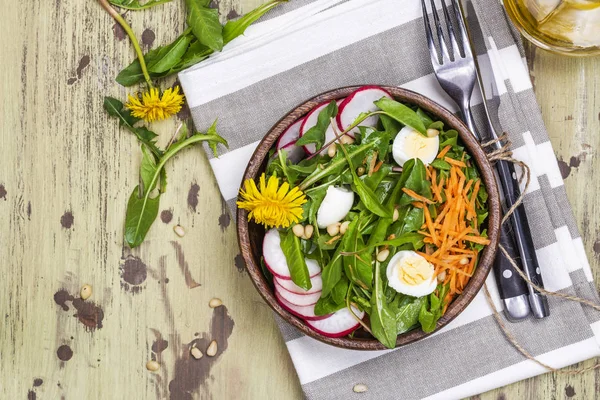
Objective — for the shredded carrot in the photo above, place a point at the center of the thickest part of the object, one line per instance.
(468, 186)
(452, 161)
(430, 225)
(417, 196)
(452, 232)
(438, 191)
(444, 152)
(377, 166)
(477, 239)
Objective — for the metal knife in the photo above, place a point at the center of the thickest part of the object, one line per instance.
(513, 293)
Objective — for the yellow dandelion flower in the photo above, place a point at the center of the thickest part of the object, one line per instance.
(270, 204)
(151, 106)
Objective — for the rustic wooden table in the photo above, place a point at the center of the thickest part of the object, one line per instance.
(66, 171)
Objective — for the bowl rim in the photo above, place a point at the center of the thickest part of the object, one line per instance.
(486, 171)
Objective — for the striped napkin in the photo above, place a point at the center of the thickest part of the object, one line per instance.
(307, 47)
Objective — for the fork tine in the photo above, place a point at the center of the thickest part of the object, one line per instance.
(440, 32)
(430, 42)
(454, 47)
(464, 36)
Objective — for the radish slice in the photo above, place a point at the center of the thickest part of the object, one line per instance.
(305, 312)
(298, 299)
(311, 120)
(340, 323)
(291, 134)
(294, 153)
(358, 102)
(275, 259)
(317, 285)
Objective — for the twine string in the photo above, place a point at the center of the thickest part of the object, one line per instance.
(505, 154)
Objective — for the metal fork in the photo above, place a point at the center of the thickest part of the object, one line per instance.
(457, 74)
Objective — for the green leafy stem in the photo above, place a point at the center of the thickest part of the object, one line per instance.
(136, 45)
(135, 5)
(142, 209)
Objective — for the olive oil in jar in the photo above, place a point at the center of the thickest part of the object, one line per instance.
(565, 26)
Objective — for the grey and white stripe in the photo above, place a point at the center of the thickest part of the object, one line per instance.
(340, 43)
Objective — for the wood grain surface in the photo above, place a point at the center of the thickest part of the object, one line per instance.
(66, 171)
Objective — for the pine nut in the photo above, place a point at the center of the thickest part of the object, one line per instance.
(212, 349)
(344, 227)
(85, 292)
(360, 388)
(360, 171)
(332, 150)
(179, 230)
(396, 215)
(347, 139)
(432, 133)
(308, 231)
(441, 276)
(391, 237)
(196, 353)
(383, 255)
(464, 261)
(152, 365)
(214, 303)
(298, 230)
(333, 229)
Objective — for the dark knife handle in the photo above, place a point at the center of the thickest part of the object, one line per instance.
(510, 284)
(523, 238)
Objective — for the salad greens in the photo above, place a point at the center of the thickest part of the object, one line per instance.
(432, 212)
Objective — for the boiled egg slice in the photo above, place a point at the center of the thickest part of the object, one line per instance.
(335, 206)
(410, 273)
(409, 144)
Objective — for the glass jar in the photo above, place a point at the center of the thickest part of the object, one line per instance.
(563, 26)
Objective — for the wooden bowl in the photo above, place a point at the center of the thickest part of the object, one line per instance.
(251, 235)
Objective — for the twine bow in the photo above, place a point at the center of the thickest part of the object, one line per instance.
(505, 154)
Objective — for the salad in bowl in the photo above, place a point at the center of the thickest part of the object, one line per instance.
(370, 220)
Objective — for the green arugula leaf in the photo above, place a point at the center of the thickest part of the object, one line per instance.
(147, 171)
(326, 305)
(369, 199)
(431, 310)
(390, 125)
(195, 53)
(205, 24)
(290, 244)
(332, 273)
(325, 242)
(424, 117)
(115, 108)
(402, 114)
(358, 266)
(233, 29)
(449, 137)
(407, 310)
(337, 165)
(440, 164)
(383, 320)
(168, 56)
(338, 294)
(416, 181)
(413, 238)
(135, 5)
(141, 213)
(382, 139)
(316, 134)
